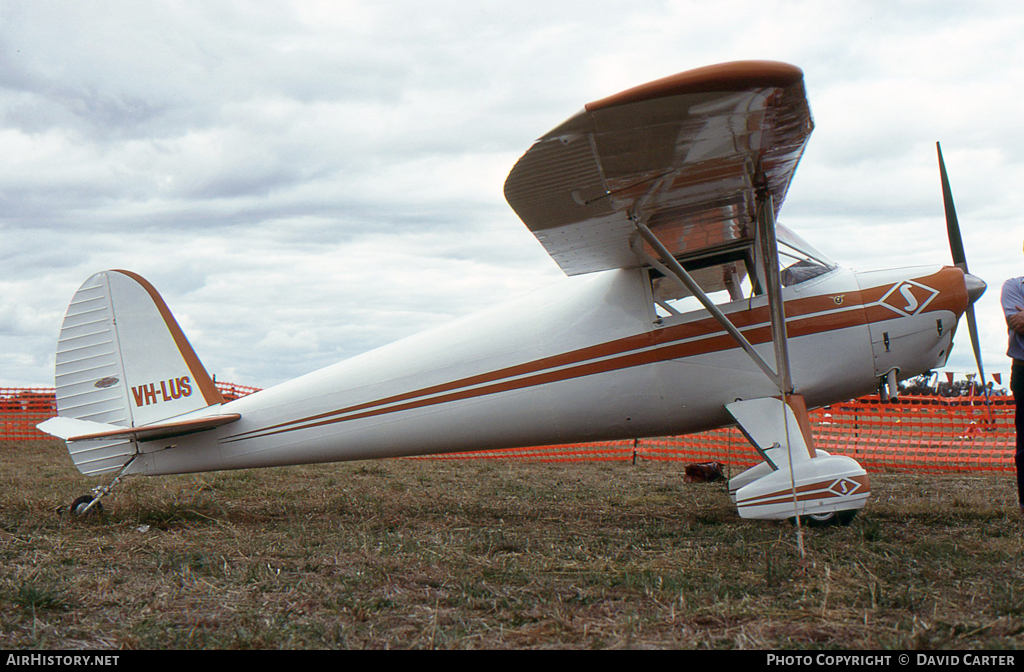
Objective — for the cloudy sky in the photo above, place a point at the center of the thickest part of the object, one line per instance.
(304, 181)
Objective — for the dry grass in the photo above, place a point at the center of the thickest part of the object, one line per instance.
(491, 554)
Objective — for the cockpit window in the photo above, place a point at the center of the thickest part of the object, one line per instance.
(800, 260)
(732, 274)
(801, 271)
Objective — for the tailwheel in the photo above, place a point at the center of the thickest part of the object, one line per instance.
(84, 506)
(827, 519)
(89, 505)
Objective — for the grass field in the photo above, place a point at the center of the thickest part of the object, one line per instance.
(496, 554)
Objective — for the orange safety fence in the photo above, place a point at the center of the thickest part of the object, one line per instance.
(230, 391)
(920, 433)
(933, 434)
(22, 408)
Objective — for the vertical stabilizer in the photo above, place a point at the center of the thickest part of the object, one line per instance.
(123, 361)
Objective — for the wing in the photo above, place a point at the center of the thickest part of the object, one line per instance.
(683, 155)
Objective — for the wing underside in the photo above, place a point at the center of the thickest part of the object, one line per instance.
(683, 155)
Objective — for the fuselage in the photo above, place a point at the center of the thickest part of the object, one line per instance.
(587, 359)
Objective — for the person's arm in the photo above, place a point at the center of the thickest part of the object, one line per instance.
(1012, 300)
(1016, 321)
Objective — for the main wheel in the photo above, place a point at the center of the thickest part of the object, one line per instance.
(828, 518)
(78, 509)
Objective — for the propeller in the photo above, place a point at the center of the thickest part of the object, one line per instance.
(975, 285)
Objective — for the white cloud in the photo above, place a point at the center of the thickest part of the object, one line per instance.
(303, 181)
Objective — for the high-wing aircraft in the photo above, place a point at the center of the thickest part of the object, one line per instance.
(686, 308)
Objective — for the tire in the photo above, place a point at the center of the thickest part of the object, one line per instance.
(828, 519)
(77, 507)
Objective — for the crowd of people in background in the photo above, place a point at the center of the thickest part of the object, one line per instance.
(937, 384)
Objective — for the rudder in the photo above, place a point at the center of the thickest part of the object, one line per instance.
(122, 360)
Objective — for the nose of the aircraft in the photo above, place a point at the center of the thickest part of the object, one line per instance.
(975, 287)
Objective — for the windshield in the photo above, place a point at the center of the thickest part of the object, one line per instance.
(801, 261)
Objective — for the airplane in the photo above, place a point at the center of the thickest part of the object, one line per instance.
(685, 307)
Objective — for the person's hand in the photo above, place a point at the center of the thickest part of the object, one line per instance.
(1016, 321)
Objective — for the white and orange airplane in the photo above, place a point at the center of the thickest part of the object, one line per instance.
(687, 308)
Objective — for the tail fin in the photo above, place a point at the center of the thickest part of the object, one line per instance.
(123, 361)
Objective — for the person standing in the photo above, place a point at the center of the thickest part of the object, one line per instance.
(1012, 299)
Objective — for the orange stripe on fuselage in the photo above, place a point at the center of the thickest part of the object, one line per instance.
(804, 316)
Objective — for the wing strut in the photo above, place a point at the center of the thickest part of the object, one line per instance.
(776, 307)
(794, 405)
(670, 266)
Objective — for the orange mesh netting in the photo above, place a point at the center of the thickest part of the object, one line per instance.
(230, 391)
(22, 408)
(924, 433)
(913, 434)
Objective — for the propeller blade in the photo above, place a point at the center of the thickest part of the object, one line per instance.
(956, 246)
(956, 243)
(972, 328)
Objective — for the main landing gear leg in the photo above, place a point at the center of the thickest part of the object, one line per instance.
(90, 504)
(794, 479)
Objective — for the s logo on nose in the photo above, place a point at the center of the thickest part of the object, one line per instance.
(908, 294)
(908, 297)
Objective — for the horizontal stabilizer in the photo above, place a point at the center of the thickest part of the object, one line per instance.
(84, 430)
(96, 457)
(65, 428)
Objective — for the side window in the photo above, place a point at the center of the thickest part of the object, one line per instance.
(722, 283)
(726, 276)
